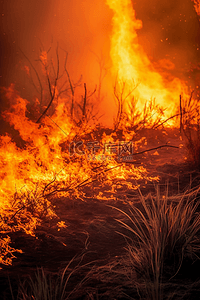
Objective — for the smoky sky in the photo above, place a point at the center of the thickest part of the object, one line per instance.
(22, 22)
(170, 30)
(78, 27)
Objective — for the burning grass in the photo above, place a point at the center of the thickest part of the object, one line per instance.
(49, 164)
(162, 238)
(46, 168)
(62, 173)
(61, 158)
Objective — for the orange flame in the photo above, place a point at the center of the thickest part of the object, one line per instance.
(42, 159)
(131, 63)
(197, 6)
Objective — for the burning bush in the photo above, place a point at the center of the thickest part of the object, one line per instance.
(56, 158)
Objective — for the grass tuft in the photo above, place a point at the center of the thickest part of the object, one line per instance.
(163, 231)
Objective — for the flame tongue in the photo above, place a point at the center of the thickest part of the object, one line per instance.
(197, 6)
(124, 46)
(132, 64)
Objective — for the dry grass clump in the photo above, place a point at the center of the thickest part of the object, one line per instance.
(163, 231)
(44, 285)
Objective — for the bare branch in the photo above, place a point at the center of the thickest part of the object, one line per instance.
(71, 87)
(52, 93)
(37, 75)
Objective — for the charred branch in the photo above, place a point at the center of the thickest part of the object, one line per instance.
(52, 91)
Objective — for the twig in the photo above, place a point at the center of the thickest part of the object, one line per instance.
(167, 120)
(18, 211)
(71, 86)
(148, 150)
(58, 126)
(87, 181)
(81, 184)
(84, 102)
(52, 94)
(181, 115)
(85, 98)
(37, 75)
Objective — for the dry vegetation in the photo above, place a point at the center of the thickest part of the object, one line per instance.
(73, 207)
(190, 127)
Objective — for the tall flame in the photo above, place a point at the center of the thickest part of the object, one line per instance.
(131, 63)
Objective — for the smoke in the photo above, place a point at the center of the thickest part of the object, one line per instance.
(79, 27)
(171, 33)
(170, 37)
(21, 24)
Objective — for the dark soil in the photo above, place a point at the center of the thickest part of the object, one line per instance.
(92, 229)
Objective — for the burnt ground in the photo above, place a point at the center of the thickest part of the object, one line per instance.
(92, 231)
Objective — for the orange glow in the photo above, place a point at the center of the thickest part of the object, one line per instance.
(45, 157)
(41, 166)
(132, 65)
(36, 164)
(197, 6)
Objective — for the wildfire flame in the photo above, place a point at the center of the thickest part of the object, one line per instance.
(131, 63)
(197, 6)
(42, 166)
